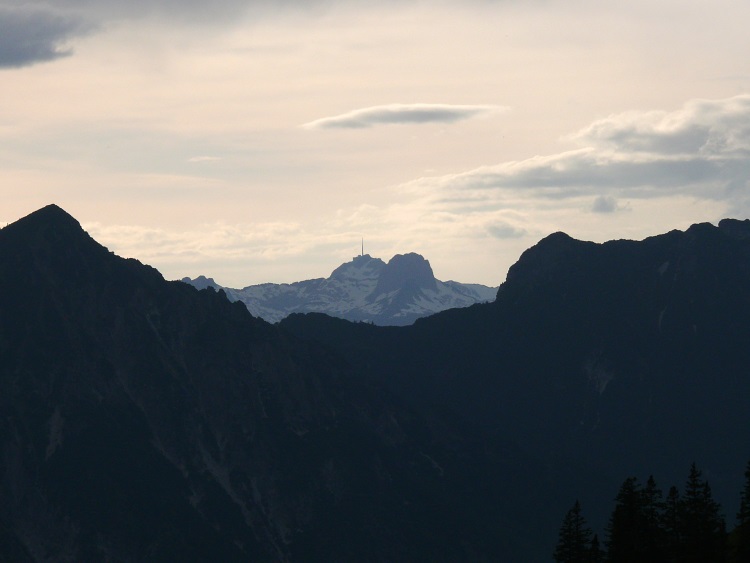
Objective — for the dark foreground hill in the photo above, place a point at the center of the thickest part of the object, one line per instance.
(601, 361)
(143, 420)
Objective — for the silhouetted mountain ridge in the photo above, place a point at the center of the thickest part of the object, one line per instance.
(602, 360)
(146, 420)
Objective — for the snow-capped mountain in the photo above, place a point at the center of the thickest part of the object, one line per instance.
(364, 289)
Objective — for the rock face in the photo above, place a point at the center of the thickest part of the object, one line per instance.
(145, 420)
(365, 289)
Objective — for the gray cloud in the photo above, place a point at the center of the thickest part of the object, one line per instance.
(30, 35)
(34, 32)
(604, 204)
(505, 231)
(702, 150)
(401, 114)
(175, 10)
(700, 127)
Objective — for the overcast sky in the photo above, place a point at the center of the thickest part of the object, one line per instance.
(258, 141)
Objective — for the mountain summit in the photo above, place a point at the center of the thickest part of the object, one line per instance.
(49, 228)
(364, 289)
(406, 272)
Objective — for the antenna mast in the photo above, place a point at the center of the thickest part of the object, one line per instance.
(363, 246)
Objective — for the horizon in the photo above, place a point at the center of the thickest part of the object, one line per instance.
(355, 258)
(252, 141)
(352, 259)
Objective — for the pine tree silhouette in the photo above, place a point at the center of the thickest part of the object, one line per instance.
(702, 528)
(574, 543)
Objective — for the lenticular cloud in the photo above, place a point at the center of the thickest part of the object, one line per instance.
(402, 114)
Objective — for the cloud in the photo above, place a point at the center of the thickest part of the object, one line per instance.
(505, 231)
(40, 31)
(701, 150)
(700, 128)
(216, 241)
(604, 204)
(30, 35)
(234, 254)
(402, 114)
(174, 10)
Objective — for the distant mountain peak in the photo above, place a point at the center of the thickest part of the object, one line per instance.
(201, 282)
(363, 289)
(406, 271)
(359, 266)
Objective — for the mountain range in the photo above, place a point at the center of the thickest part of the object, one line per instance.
(366, 289)
(145, 420)
(599, 361)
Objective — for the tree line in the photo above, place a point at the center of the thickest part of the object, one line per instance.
(648, 527)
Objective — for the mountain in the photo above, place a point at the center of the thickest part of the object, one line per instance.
(365, 289)
(600, 361)
(144, 420)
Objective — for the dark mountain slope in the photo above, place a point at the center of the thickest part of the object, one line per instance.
(142, 420)
(602, 360)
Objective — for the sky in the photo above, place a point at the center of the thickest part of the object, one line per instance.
(260, 141)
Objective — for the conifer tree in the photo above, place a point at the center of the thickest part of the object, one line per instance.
(702, 528)
(573, 545)
(625, 535)
(653, 533)
(671, 524)
(635, 530)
